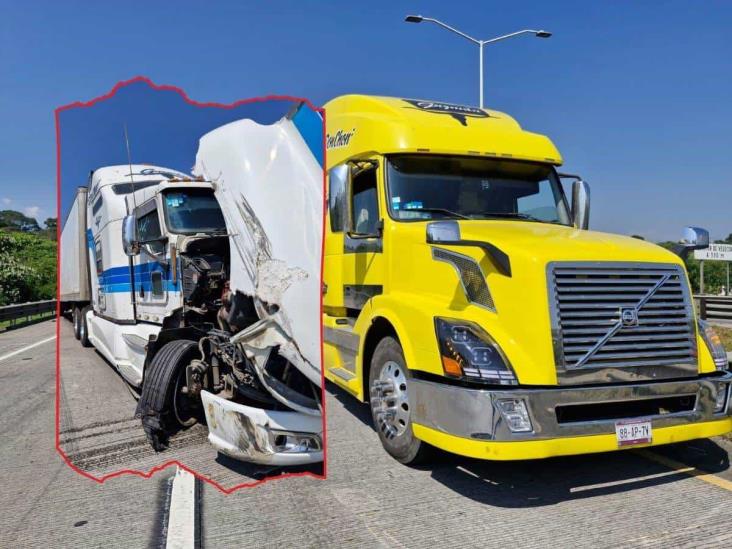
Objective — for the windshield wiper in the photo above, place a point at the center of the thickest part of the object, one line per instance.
(437, 210)
(519, 215)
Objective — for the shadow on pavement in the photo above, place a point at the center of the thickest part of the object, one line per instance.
(537, 483)
(259, 472)
(357, 409)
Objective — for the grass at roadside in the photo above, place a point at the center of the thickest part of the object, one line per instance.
(5, 324)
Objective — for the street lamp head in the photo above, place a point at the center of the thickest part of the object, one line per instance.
(543, 34)
(414, 18)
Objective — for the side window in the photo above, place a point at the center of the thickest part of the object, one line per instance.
(98, 257)
(156, 279)
(336, 201)
(365, 204)
(97, 206)
(148, 231)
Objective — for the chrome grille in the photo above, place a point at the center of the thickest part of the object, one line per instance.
(589, 301)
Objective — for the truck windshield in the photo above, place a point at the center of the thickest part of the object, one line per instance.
(192, 211)
(436, 187)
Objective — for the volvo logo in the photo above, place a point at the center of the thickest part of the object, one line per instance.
(629, 317)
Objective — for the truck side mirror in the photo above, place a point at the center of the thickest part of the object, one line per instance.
(692, 238)
(443, 231)
(130, 242)
(581, 204)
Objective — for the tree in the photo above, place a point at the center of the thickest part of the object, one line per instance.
(18, 221)
(27, 268)
(50, 223)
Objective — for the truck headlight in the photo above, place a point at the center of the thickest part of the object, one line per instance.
(516, 415)
(289, 442)
(468, 352)
(714, 343)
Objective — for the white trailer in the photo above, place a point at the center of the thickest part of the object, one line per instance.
(74, 287)
(204, 291)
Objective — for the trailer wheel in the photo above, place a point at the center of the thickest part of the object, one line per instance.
(76, 317)
(163, 406)
(388, 379)
(84, 328)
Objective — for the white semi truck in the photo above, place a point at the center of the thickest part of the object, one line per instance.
(203, 290)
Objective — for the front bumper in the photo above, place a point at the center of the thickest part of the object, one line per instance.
(468, 421)
(249, 434)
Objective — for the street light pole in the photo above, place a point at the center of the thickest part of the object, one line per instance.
(480, 72)
(480, 43)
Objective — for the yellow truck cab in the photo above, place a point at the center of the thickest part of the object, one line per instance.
(465, 299)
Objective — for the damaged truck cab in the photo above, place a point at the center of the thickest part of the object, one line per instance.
(467, 301)
(196, 290)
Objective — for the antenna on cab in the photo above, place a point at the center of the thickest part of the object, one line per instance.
(129, 163)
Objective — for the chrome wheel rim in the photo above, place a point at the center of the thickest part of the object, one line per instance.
(82, 329)
(389, 400)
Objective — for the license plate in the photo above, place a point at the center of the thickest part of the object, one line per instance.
(633, 432)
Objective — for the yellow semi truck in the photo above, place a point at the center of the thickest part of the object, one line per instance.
(465, 298)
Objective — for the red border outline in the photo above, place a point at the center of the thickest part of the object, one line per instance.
(157, 468)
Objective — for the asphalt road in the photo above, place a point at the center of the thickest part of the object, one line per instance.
(100, 435)
(676, 496)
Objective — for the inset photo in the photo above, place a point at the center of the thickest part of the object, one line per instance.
(190, 279)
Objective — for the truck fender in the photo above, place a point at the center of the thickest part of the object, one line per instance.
(381, 322)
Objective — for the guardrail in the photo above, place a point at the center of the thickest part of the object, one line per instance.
(715, 307)
(20, 311)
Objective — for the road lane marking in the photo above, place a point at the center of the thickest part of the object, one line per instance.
(677, 466)
(27, 348)
(181, 533)
(633, 480)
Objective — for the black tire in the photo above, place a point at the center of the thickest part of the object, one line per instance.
(76, 319)
(160, 392)
(404, 447)
(84, 328)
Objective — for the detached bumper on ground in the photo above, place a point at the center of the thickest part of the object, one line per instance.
(558, 421)
(263, 436)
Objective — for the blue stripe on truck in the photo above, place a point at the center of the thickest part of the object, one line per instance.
(117, 279)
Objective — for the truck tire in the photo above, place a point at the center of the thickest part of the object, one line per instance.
(161, 406)
(388, 379)
(84, 328)
(76, 318)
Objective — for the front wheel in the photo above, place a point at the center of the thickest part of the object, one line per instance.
(164, 406)
(390, 408)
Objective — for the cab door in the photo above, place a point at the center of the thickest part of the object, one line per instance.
(363, 239)
(151, 268)
(353, 263)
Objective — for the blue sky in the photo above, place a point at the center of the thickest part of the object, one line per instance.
(162, 128)
(635, 94)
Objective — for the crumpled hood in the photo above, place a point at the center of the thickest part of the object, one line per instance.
(270, 188)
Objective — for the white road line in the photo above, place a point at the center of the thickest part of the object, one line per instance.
(24, 349)
(181, 518)
(627, 480)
